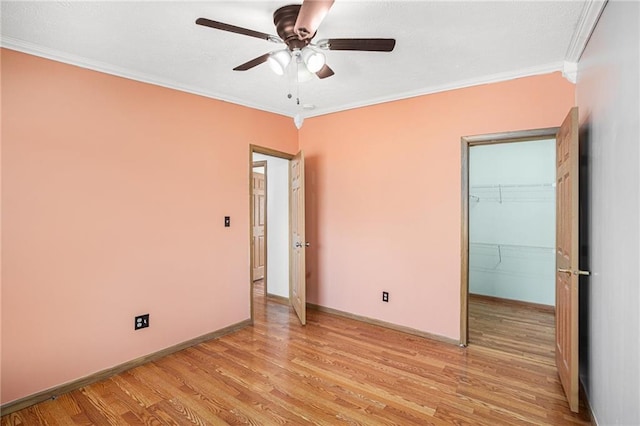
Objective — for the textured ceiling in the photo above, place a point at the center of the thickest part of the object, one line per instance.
(440, 45)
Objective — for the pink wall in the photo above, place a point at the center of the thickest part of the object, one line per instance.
(114, 193)
(113, 199)
(383, 196)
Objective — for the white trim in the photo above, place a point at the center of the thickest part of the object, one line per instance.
(55, 55)
(570, 71)
(589, 16)
(494, 78)
(79, 61)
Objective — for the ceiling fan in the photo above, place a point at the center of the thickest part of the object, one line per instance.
(296, 26)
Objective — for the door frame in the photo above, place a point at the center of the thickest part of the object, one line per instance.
(256, 149)
(466, 143)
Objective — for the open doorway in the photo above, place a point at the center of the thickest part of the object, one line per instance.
(508, 241)
(259, 223)
(512, 246)
(270, 273)
(564, 347)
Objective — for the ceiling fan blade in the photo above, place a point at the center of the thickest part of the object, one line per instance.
(233, 29)
(325, 72)
(364, 44)
(311, 14)
(252, 63)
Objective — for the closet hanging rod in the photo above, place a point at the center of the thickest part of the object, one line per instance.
(512, 246)
(516, 185)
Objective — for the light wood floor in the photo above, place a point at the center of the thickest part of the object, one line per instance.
(332, 371)
(515, 328)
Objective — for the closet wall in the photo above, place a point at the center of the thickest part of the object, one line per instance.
(512, 221)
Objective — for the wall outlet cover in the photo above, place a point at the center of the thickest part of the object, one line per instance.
(141, 321)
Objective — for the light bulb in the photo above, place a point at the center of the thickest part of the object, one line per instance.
(303, 73)
(313, 59)
(279, 60)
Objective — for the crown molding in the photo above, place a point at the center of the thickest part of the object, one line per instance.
(589, 16)
(79, 61)
(570, 71)
(461, 84)
(75, 60)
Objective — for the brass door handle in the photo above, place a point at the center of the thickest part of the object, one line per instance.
(578, 272)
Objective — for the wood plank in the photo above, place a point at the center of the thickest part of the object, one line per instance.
(55, 392)
(516, 329)
(334, 370)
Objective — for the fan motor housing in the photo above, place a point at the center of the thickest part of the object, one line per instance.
(285, 20)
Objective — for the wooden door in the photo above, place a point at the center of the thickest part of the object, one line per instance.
(258, 222)
(567, 162)
(297, 292)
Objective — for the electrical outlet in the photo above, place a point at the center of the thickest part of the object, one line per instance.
(141, 321)
(385, 296)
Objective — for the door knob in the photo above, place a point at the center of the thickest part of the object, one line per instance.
(299, 244)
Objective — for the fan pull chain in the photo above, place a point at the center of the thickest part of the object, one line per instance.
(291, 72)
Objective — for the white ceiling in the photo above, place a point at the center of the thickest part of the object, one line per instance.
(440, 45)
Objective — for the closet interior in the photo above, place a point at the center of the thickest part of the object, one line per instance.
(512, 221)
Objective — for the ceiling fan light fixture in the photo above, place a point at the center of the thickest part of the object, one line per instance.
(279, 60)
(313, 59)
(303, 73)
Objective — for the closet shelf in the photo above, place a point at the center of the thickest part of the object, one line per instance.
(498, 252)
(533, 273)
(539, 192)
(490, 256)
(523, 185)
(520, 247)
